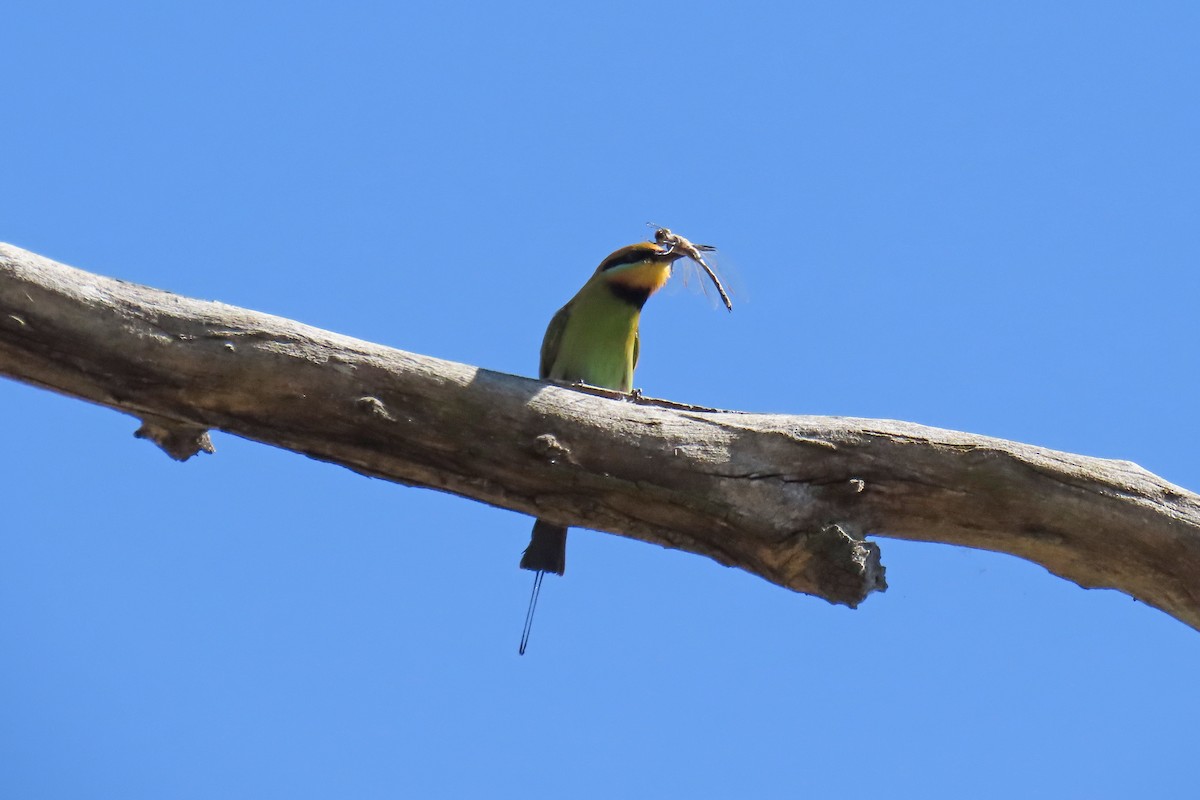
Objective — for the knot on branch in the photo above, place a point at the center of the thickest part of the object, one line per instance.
(179, 440)
(375, 407)
(847, 569)
(548, 447)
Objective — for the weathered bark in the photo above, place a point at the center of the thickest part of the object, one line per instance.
(788, 498)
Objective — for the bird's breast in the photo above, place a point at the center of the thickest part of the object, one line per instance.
(597, 348)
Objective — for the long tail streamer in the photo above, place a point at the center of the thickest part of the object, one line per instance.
(533, 598)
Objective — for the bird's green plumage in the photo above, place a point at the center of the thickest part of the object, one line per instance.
(593, 339)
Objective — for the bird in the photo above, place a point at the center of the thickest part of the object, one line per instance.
(593, 339)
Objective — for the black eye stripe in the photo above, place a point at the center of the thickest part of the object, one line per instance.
(626, 256)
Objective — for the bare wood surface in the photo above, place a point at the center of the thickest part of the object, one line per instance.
(789, 498)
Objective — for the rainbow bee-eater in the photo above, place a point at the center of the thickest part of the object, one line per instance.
(593, 339)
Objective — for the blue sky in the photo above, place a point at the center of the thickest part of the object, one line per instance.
(975, 216)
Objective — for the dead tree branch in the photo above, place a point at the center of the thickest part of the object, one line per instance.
(789, 498)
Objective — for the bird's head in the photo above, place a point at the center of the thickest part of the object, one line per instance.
(638, 270)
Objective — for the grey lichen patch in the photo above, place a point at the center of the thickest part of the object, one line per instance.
(179, 440)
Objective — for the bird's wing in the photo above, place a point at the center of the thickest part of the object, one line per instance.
(552, 340)
(637, 350)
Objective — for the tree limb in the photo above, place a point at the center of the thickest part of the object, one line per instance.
(789, 498)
